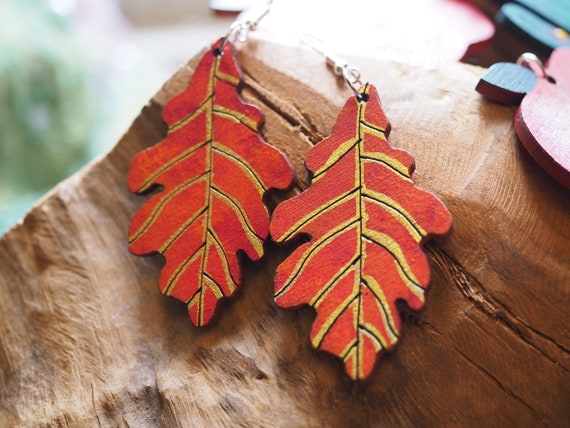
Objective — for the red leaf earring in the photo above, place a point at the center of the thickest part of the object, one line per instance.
(366, 222)
(212, 172)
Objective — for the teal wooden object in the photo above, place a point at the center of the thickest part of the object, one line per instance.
(555, 11)
(544, 25)
(507, 83)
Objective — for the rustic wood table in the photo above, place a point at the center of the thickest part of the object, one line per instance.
(86, 338)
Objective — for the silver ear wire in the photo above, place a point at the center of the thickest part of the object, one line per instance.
(245, 22)
(533, 63)
(527, 59)
(341, 68)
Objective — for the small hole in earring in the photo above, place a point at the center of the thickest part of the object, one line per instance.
(217, 52)
(363, 98)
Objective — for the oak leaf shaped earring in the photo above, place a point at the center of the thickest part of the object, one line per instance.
(366, 222)
(210, 175)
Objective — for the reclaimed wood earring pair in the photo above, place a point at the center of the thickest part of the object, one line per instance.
(364, 218)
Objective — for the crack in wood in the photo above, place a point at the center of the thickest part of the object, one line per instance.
(287, 111)
(475, 292)
(295, 118)
(486, 373)
(94, 406)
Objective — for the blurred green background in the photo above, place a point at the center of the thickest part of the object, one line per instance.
(75, 73)
(47, 111)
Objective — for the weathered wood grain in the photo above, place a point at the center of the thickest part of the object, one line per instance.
(87, 339)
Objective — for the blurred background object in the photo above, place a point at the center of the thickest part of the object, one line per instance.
(536, 26)
(230, 6)
(46, 109)
(438, 29)
(544, 25)
(73, 76)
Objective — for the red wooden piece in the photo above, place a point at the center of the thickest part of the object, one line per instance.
(542, 121)
(211, 172)
(366, 221)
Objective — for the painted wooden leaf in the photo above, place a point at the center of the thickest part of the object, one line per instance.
(211, 173)
(366, 221)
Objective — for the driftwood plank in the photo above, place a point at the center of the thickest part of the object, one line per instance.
(86, 338)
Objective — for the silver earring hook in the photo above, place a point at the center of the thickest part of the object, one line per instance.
(341, 68)
(527, 60)
(245, 22)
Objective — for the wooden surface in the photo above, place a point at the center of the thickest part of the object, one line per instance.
(87, 339)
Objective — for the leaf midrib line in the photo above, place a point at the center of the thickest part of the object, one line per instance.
(209, 160)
